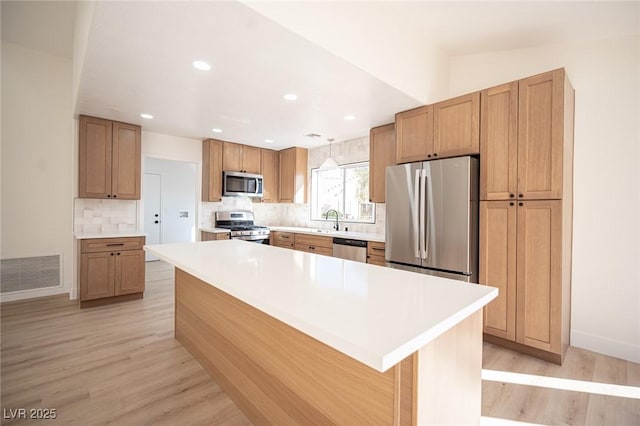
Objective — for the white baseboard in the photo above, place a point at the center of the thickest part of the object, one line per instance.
(606, 346)
(30, 294)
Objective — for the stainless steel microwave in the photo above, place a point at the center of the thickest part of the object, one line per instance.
(241, 184)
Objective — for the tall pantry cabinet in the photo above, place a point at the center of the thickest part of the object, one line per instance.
(526, 212)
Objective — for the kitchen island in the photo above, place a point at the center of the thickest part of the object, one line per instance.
(300, 338)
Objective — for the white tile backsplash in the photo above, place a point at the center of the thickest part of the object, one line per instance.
(104, 216)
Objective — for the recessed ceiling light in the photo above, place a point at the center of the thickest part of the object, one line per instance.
(147, 116)
(349, 117)
(201, 65)
(290, 97)
(216, 130)
(268, 141)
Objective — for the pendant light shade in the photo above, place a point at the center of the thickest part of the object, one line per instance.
(329, 163)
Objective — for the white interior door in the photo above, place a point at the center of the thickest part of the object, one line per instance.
(152, 210)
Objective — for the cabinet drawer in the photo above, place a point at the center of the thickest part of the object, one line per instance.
(315, 241)
(376, 260)
(314, 249)
(282, 237)
(283, 243)
(111, 244)
(375, 248)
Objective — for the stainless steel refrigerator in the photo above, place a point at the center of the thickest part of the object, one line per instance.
(432, 217)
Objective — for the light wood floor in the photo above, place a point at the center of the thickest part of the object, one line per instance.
(119, 364)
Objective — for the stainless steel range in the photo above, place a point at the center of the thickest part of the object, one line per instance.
(242, 227)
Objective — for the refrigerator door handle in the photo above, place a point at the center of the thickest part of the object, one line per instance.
(416, 194)
(423, 222)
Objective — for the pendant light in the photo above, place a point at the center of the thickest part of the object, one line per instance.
(329, 163)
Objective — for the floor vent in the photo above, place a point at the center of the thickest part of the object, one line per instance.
(29, 273)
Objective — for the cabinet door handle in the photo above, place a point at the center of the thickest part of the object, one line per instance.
(511, 196)
(520, 195)
(435, 154)
(377, 249)
(111, 254)
(108, 195)
(521, 204)
(114, 244)
(511, 203)
(114, 195)
(118, 254)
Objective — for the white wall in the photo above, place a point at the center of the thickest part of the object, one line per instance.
(167, 147)
(37, 169)
(606, 246)
(178, 194)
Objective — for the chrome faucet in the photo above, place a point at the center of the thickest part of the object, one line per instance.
(326, 217)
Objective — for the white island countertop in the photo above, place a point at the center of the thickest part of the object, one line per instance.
(373, 314)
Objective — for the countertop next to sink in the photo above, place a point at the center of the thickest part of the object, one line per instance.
(80, 236)
(373, 314)
(342, 234)
(213, 230)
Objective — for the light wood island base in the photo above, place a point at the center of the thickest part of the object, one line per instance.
(278, 375)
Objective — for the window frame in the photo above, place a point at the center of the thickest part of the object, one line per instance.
(343, 168)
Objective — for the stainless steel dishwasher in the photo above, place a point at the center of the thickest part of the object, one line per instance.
(346, 248)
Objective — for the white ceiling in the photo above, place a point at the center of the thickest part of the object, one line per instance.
(333, 55)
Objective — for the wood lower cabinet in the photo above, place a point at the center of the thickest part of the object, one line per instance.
(211, 170)
(293, 175)
(382, 153)
(498, 235)
(524, 248)
(314, 244)
(241, 158)
(414, 134)
(375, 253)
(214, 236)
(109, 159)
(270, 174)
(456, 126)
(111, 269)
(282, 239)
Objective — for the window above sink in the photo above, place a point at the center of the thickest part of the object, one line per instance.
(345, 189)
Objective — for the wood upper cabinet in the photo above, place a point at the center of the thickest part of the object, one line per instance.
(271, 175)
(241, 158)
(499, 142)
(111, 267)
(110, 157)
(293, 175)
(527, 128)
(382, 153)
(414, 134)
(541, 127)
(211, 170)
(126, 158)
(456, 126)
